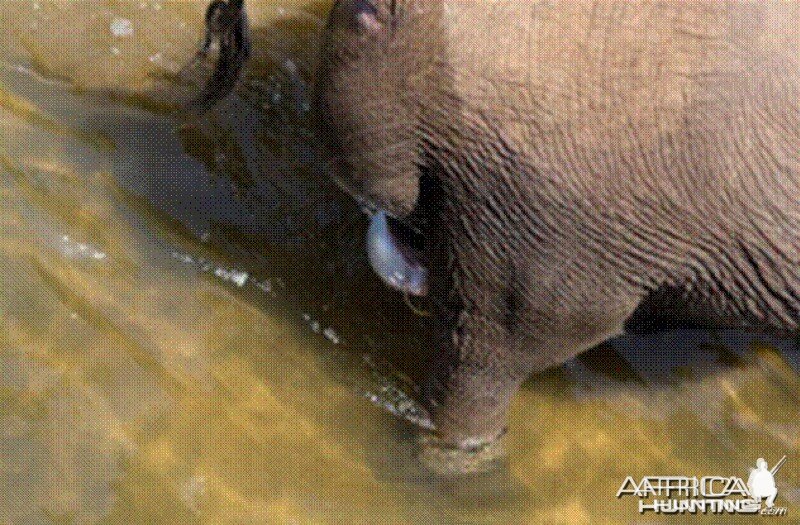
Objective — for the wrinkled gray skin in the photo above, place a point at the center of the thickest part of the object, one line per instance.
(576, 168)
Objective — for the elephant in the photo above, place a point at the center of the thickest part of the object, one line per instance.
(554, 173)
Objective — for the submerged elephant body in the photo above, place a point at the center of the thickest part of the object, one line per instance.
(576, 168)
(585, 167)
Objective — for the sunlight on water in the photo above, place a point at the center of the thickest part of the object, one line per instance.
(190, 333)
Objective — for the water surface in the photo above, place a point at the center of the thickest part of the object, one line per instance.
(189, 332)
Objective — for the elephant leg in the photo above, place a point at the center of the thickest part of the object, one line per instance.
(470, 385)
(495, 337)
(501, 319)
(481, 367)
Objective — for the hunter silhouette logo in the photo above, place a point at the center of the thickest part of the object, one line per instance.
(708, 494)
(762, 481)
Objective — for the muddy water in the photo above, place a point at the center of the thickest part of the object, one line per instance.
(189, 332)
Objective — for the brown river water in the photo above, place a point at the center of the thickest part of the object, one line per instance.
(189, 331)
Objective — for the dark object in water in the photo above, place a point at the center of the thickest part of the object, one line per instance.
(226, 23)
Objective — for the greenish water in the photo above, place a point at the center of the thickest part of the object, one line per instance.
(189, 332)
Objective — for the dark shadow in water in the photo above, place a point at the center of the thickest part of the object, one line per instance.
(269, 207)
(662, 358)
